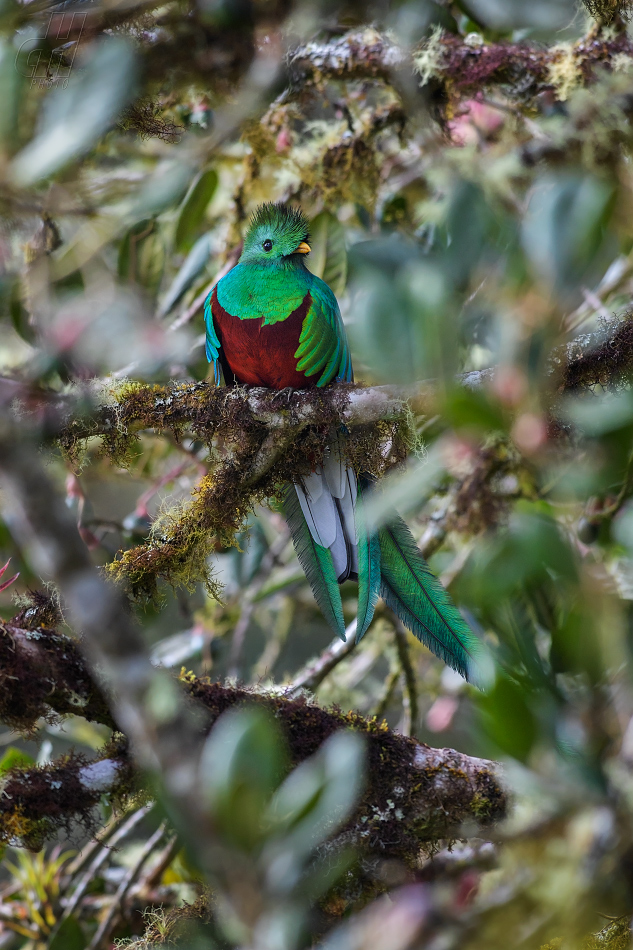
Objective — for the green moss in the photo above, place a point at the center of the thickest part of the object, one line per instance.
(605, 11)
(182, 539)
(616, 936)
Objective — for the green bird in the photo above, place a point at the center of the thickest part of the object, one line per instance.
(270, 322)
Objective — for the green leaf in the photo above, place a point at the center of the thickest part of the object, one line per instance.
(507, 718)
(404, 325)
(194, 263)
(193, 208)
(11, 84)
(70, 936)
(471, 231)
(74, 118)
(242, 763)
(472, 409)
(594, 415)
(531, 550)
(165, 188)
(15, 759)
(142, 256)
(328, 258)
(565, 230)
(247, 559)
(320, 794)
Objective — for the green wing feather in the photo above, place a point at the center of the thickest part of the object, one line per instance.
(323, 344)
(212, 342)
(317, 563)
(420, 601)
(369, 579)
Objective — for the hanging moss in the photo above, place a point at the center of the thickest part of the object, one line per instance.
(605, 11)
(615, 936)
(183, 538)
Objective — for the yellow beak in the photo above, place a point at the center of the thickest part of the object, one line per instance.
(303, 248)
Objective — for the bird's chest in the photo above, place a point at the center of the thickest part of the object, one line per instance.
(259, 353)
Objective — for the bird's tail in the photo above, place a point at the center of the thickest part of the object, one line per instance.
(326, 516)
(422, 604)
(320, 514)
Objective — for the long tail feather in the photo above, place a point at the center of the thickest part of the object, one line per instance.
(420, 601)
(369, 579)
(317, 563)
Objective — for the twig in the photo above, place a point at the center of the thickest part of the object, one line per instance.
(106, 850)
(615, 276)
(315, 672)
(117, 901)
(388, 691)
(79, 862)
(169, 853)
(410, 694)
(248, 598)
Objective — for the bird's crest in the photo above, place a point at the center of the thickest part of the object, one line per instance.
(283, 219)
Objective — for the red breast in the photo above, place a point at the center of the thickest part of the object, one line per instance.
(262, 355)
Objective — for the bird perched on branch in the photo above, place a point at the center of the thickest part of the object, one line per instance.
(270, 322)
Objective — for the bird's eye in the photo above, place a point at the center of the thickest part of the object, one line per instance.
(268, 245)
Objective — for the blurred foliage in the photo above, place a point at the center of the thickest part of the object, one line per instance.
(466, 166)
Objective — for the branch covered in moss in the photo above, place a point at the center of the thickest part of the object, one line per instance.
(602, 357)
(43, 675)
(605, 11)
(463, 65)
(36, 803)
(269, 439)
(597, 359)
(414, 793)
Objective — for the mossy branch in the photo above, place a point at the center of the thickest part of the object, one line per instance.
(36, 803)
(602, 357)
(42, 676)
(414, 794)
(269, 439)
(462, 65)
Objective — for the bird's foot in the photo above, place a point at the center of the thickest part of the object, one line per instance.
(283, 397)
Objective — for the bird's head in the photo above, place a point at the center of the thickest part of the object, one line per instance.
(275, 233)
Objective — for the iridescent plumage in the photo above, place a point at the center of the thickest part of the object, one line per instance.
(270, 322)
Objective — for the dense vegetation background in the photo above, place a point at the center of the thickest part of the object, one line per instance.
(466, 166)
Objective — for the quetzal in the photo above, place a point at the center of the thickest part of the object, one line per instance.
(270, 322)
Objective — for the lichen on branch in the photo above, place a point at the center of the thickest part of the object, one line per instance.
(36, 803)
(414, 794)
(43, 674)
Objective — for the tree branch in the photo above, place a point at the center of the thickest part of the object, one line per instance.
(36, 803)
(447, 58)
(602, 357)
(433, 792)
(43, 674)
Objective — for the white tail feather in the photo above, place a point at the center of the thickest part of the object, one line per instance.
(334, 469)
(318, 508)
(328, 499)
